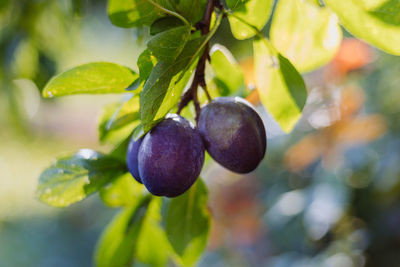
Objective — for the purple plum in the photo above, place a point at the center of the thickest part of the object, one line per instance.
(132, 158)
(233, 133)
(171, 157)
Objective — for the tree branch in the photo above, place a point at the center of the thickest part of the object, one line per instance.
(199, 75)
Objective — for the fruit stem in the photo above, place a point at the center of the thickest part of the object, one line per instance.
(199, 75)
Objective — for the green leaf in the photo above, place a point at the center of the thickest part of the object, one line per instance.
(308, 35)
(121, 115)
(149, 252)
(120, 150)
(91, 78)
(138, 132)
(375, 21)
(192, 10)
(234, 4)
(134, 13)
(136, 85)
(281, 87)
(226, 68)
(217, 88)
(118, 242)
(167, 45)
(146, 63)
(173, 95)
(163, 88)
(123, 191)
(254, 12)
(164, 24)
(187, 223)
(71, 179)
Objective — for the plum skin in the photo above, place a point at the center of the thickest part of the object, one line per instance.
(233, 133)
(132, 158)
(171, 157)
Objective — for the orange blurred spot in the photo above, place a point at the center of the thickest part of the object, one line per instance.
(248, 71)
(343, 133)
(254, 97)
(360, 130)
(349, 130)
(353, 54)
(247, 66)
(305, 152)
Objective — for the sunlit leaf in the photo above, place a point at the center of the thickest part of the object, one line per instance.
(167, 45)
(148, 251)
(138, 132)
(254, 12)
(281, 87)
(121, 148)
(119, 116)
(133, 13)
(375, 21)
(162, 89)
(91, 78)
(174, 94)
(118, 242)
(308, 35)
(123, 191)
(146, 63)
(234, 4)
(187, 223)
(71, 179)
(226, 69)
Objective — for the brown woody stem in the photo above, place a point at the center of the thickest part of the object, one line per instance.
(199, 75)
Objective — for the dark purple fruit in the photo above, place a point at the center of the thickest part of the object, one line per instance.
(132, 158)
(171, 157)
(233, 133)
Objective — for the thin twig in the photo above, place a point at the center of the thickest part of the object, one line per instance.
(187, 96)
(196, 104)
(199, 75)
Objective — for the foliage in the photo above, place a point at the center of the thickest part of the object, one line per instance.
(31, 35)
(71, 179)
(304, 36)
(92, 78)
(188, 234)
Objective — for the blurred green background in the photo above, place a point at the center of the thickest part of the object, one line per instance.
(328, 194)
